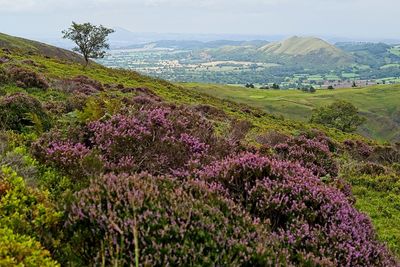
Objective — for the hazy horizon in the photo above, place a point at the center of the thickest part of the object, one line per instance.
(351, 19)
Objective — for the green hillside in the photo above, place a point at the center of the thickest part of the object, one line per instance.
(291, 51)
(301, 46)
(379, 104)
(24, 46)
(108, 167)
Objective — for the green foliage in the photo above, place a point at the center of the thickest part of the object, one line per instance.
(3, 76)
(379, 105)
(21, 250)
(19, 112)
(91, 40)
(98, 106)
(341, 115)
(25, 210)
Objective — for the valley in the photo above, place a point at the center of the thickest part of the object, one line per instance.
(297, 62)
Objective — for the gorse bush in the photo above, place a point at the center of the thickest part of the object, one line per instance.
(20, 250)
(314, 221)
(26, 211)
(20, 111)
(158, 221)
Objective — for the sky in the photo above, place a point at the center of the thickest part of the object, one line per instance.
(354, 19)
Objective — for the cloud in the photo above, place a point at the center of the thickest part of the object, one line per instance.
(337, 17)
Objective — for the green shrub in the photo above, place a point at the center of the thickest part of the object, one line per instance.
(3, 76)
(20, 112)
(20, 250)
(341, 115)
(25, 210)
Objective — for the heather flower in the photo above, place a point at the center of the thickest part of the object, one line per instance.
(308, 216)
(312, 153)
(160, 140)
(165, 222)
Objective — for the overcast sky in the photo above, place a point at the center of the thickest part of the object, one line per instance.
(342, 18)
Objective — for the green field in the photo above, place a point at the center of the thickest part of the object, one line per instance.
(379, 104)
(395, 50)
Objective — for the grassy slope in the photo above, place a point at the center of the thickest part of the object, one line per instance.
(379, 104)
(24, 46)
(384, 211)
(54, 68)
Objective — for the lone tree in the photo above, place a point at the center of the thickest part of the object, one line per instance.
(341, 115)
(91, 40)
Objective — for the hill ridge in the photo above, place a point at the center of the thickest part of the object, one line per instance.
(27, 46)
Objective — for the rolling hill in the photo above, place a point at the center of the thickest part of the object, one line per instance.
(24, 46)
(307, 49)
(109, 167)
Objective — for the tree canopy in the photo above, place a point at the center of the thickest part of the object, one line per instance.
(341, 115)
(91, 40)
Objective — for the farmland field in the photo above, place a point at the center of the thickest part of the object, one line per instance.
(379, 104)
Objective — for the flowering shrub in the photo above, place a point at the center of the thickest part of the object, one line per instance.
(358, 149)
(19, 111)
(20, 250)
(155, 140)
(239, 130)
(159, 140)
(272, 138)
(66, 154)
(312, 153)
(79, 85)
(210, 111)
(313, 220)
(387, 154)
(26, 78)
(163, 222)
(371, 168)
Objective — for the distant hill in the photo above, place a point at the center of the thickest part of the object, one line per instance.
(372, 54)
(307, 50)
(301, 46)
(26, 46)
(294, 51)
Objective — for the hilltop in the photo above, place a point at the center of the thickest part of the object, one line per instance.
(301, 46)
(25, 46)
(307, 49)
(102, 166)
